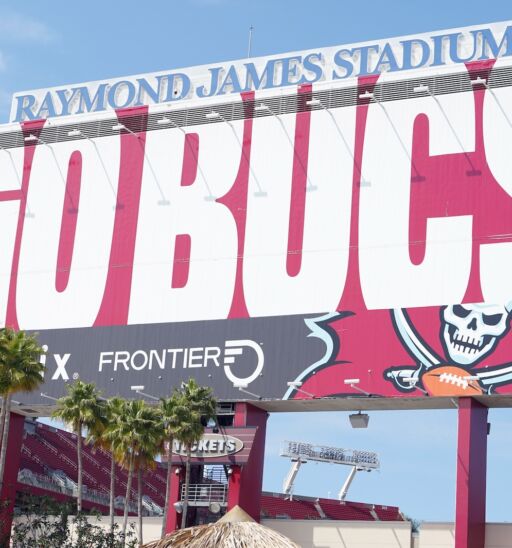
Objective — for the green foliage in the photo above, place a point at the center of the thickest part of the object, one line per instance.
(43, 523)
(194, 406)
(168, 408)
(415, 523)
(20, 367)
(80, 407)
(199, 399)
(136, 431)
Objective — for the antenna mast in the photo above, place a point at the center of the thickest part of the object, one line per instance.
(251, 28)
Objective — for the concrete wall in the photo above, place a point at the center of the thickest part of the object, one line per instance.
(354, 534)
(441, 535)
(346, 534)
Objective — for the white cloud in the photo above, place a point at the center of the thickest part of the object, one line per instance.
(19, 27)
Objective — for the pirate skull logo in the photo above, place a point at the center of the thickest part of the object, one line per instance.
(471, 331)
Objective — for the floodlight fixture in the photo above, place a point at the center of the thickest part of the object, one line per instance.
(359, 420)
(353, 384)
(367, 95)
(31, 137)
(163, 121)
(75, 133)
(479, 81)
(242, 387)
(214, 507)
(212, 115)
(118, 127)
(262, 107)
(178, 506)
(139, 390)
(422, 88)
(315, 102)
(44, 395)
(296, 385)
(300, 452)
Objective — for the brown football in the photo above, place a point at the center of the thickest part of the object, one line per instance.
(449, 380)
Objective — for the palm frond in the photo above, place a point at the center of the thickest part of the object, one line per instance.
(228, 532)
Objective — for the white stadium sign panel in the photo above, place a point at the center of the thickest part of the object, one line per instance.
(329, 223)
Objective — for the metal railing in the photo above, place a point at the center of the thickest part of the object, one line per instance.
(215, 474)
(201, 494)
(28, 477)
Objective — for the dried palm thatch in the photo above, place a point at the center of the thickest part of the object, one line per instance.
(235, 530)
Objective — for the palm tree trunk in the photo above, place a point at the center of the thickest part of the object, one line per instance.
(5, 435)
(168, 487)
(2, 418)
(112, 490)
(139, 503)
(127, 497)
(80, 471)
(187, 485)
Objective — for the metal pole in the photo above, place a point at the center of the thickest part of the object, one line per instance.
(290, 478)
(344, 490)
(251, 28)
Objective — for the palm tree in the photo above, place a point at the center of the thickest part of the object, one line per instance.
(200, 399)
(188, 431)
(81, 408)
(20, 371)
(98, 436)
(145, 460)
(168, 408)
(196, 407)
(137, 430)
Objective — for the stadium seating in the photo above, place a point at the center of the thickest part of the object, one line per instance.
(48, 452)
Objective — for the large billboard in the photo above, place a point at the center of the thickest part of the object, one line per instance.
(344, 238)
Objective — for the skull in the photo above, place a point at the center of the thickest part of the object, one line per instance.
(471, 331)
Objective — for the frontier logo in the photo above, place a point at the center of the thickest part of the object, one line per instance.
(231, 356)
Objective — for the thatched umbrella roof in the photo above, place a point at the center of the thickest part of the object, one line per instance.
(234, 530)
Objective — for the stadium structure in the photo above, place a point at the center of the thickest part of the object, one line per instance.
(327, 229)
(48, 468)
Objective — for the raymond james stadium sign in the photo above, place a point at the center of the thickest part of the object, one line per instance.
(439, 49)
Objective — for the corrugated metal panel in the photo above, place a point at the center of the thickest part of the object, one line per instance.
(282, 104)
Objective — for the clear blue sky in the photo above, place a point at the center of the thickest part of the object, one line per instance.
(51, 43)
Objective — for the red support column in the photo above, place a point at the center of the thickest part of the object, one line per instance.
(173, 518)
(245, 483)
(471, 475)
(12, 465)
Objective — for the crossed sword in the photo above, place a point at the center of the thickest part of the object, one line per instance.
(488, 377)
